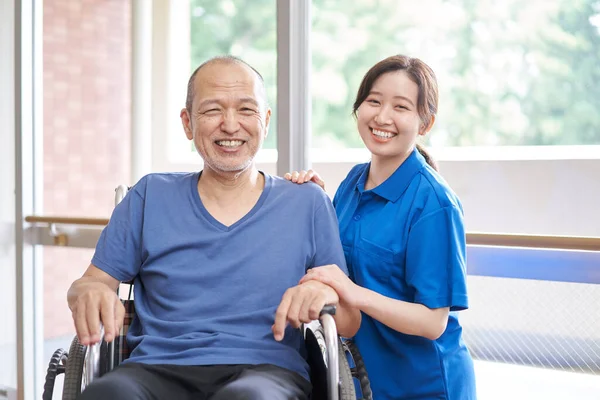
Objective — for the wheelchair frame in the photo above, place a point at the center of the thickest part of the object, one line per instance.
(332, 350)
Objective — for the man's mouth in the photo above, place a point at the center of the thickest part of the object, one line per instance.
(230, 143)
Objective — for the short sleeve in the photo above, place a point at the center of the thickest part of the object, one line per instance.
(328, 245)
(118, 251)
(436, 260)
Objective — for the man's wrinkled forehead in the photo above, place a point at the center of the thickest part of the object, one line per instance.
(228, 79)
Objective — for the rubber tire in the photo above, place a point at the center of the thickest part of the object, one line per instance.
(54, 369)
(347, 391)
(360, 371)
(74, 370)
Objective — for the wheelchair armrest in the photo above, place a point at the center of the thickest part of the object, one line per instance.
(331, 341)
(92, 359)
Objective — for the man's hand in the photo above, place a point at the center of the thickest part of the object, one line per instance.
(302, 304)
(93, 303)
(333, 276)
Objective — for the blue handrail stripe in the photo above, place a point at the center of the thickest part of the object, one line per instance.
(537, 264)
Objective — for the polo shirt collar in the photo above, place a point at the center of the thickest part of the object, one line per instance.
(394, 186)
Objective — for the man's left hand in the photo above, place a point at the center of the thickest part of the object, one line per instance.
(302, 304)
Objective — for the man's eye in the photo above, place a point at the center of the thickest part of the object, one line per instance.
(211, 111)
(248, 110)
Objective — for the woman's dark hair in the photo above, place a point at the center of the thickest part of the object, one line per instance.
(421, 74)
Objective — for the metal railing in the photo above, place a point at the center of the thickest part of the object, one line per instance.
(473, 238)
(532, 298)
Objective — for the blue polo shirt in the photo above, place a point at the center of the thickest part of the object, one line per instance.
(405, 239)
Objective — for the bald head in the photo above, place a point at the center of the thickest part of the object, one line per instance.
(223, 60)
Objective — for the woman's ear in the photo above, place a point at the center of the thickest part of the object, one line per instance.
(424, 130)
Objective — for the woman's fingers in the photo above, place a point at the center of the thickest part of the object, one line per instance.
(301, 177)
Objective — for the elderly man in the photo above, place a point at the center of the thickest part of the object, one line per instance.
(216, 256)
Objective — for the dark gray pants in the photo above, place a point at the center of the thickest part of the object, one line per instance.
(136, 381)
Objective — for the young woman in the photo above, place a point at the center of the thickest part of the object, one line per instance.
(402, 230)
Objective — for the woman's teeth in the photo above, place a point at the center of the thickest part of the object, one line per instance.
(382, 134)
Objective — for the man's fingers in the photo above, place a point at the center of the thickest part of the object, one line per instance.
(293, 315)
(81, 326)
(315, 308)
(119, 316)
(107, 315)
(92, 314)
(281, 316)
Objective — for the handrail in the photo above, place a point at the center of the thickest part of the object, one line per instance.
(36, 219)
(473, 238)
(534, 241)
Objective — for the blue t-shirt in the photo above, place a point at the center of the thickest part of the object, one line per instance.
(405, 239)
(206, 293)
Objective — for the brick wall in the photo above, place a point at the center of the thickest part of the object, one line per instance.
(86, 129)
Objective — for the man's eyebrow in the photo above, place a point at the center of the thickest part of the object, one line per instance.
(207, 102)
(251, 100)
(395, 97)
(241, 100)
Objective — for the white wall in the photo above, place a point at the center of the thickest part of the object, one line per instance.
(545, 197)
(8, 376)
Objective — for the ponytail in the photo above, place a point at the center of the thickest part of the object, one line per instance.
(432, 163)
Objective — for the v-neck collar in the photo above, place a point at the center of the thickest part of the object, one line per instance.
(212, 220)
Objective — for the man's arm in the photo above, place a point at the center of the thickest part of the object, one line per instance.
(93, 299)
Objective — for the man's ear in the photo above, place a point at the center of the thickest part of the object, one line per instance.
(267, 121)
(186, 123)
(424, 130)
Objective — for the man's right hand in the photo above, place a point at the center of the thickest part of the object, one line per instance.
(93, 300)
(305, 176)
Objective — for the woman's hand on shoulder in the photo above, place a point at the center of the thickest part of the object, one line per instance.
(301, 177)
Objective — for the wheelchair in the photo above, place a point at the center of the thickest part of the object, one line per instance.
(337, 371)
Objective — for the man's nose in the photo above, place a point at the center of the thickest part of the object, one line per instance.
(230, 122)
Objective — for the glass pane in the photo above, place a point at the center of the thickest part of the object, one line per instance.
(86, 139)
(510, 72)
(243, 28)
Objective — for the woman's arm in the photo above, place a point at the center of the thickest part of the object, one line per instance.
(402, 316)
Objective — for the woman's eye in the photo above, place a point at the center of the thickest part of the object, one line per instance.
(372, 101)
(402, 107)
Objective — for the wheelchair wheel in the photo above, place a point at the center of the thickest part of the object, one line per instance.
(347, 391)
(56, 366)
(359, 371)
(74, 370)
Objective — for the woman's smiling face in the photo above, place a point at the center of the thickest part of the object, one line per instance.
(388, 120)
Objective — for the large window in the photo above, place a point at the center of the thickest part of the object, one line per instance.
(243, 28)
(510, 72)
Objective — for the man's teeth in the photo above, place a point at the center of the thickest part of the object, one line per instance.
(383, 134)
(230, 143)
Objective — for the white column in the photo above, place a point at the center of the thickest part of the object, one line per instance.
(141, 89)
(28, 123)
(293, 85)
